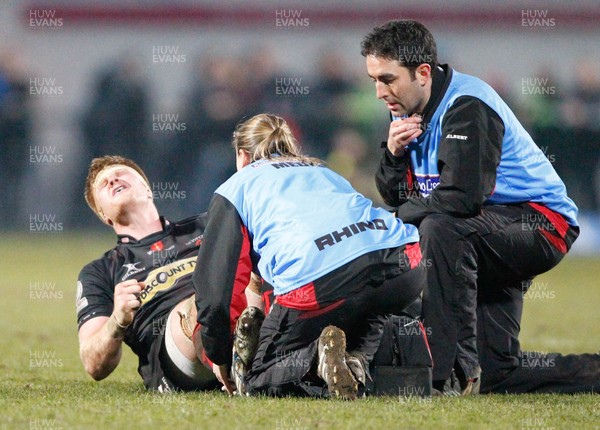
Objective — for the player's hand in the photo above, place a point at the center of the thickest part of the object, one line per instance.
(127, 300)
(402, 132)
(222, 374)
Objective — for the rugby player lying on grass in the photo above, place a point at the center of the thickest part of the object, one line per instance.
(140, 292)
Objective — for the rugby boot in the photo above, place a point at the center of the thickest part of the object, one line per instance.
(332, 366)
(245, 344)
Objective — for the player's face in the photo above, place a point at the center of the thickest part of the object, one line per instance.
(118, 186)
(403, 94)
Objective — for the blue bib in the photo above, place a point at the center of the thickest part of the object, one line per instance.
(305, 221)
(524, 174)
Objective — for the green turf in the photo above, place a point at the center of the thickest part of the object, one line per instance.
(43, 384)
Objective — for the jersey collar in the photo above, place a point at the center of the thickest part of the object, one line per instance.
(442, 75)
(129, 240)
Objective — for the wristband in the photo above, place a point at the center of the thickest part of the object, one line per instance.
(115, 328)
(118, 324)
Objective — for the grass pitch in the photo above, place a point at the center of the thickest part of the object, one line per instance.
(44, 386)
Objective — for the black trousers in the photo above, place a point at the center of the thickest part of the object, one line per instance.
(354, 298)
(473, 301)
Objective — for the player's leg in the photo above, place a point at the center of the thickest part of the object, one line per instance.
(517, 253)
(450, 296)
(245, 345)
(498, 322)
(179, 358)
(279, 365)
(288, 347)
(508, 369)
(297, 349)
(509, 257)
(253, 292)
(501, 240)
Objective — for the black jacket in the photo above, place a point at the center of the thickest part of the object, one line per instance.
(467, 172)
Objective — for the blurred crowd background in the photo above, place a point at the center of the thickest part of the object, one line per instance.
(87, 88)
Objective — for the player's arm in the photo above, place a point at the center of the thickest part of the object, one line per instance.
(101, 337)
(393, 179)
(222, 274)
(467, 166)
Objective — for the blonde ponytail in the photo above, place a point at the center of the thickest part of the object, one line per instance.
(265, 136)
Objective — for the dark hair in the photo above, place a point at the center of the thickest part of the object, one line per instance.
(404, 40)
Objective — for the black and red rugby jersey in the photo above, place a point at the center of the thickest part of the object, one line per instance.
(165, 262)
